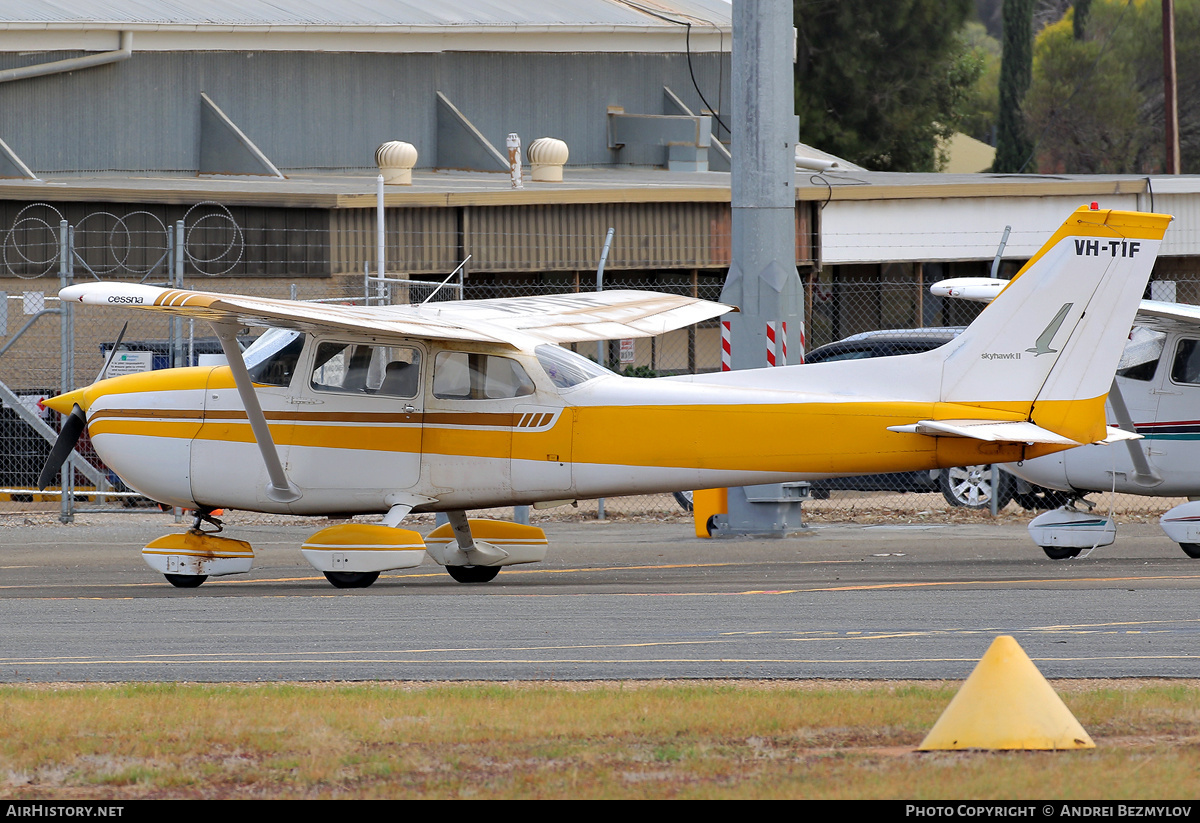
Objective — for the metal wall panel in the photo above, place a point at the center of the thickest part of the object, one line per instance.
(329, 111)
(547, 238)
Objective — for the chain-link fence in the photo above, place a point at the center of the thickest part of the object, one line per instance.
(46, 347)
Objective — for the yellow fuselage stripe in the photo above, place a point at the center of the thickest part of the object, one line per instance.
(803, 438)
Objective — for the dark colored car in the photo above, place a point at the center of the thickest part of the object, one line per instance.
(969, 486)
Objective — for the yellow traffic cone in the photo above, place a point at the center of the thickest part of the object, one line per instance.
(1006, 703)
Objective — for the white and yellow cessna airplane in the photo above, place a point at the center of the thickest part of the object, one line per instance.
(447, 407)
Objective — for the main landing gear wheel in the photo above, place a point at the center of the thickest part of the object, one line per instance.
(1191, 549)
(473, 574)
(351, 580)
(1061, 552)
(185, 581)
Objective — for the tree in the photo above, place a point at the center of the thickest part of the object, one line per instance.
(881, 83)
(982, 104)
(1096, 102)
(1014, 150)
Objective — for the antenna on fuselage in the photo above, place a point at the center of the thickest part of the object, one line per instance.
(447, 280)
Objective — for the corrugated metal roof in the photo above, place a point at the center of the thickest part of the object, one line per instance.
(368, 13)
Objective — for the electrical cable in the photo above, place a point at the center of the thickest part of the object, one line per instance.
(688, 48)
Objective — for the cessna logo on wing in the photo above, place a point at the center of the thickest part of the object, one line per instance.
(1113, 248)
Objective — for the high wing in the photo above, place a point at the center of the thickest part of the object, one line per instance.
(1154, 314)
(516, 321)
(1161, 316)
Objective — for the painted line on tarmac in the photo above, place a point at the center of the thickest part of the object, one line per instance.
(501, 593)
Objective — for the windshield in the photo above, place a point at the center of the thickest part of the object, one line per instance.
(1139, 360)
(271, 359)
(565, 368)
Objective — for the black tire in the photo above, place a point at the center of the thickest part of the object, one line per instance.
(185, 581)
(971, 487)
(473, 574)
(1061, 552)
(1191, 549)
(684, 499)
(351, 580)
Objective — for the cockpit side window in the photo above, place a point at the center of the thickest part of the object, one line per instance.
(271, 359)
(1139, 360)
(459, 375)
(361, 368)
(1186, 366)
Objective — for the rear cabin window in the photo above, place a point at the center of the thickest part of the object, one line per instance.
(461, 375)
(359, 368)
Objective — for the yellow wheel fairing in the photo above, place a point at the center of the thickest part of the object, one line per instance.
(517, 543)
(363, 547)
(194, 553)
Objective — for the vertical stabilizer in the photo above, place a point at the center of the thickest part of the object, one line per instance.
(1055, 333)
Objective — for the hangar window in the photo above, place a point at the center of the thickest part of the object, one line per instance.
(459, 375)
(392, 371)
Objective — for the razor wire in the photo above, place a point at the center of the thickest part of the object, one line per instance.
(136, 245)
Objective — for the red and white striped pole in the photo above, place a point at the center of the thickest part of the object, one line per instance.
(726, 347)
(776, 342)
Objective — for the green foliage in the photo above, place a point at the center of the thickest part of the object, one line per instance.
(982, 104)
(1014, 150)
(881, 83)
(1096, 103)
(639, 371)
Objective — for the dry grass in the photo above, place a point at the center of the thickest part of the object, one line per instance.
(602, 740)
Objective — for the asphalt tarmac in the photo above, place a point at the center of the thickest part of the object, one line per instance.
(613, 600)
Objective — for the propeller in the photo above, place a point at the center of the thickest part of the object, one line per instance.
(73, 426)
(111, 354)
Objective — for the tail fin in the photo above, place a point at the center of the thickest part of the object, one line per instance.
(1056, 331)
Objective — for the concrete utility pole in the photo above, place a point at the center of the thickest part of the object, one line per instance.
(762, 279)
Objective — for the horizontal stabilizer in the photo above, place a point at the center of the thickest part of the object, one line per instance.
(1116, 435)
(1005, 431)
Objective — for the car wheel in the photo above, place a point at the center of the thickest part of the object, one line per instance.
(684, 499)
(971, 487)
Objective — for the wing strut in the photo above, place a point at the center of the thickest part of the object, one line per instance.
(1143, 473)
(280, 489)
